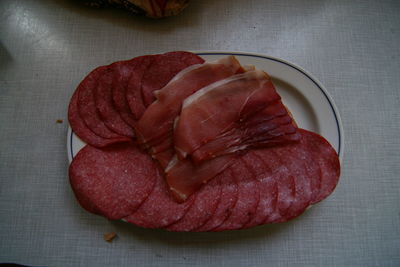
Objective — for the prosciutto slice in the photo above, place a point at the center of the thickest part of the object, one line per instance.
(184, 178)
(156, 125)
(242, 111)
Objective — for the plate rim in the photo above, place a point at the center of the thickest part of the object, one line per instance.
(296, 67)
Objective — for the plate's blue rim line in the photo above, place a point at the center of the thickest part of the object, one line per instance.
(269, 58)
(298, 69)
(71, 140)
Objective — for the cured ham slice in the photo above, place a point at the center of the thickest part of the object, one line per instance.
(157, 122)
(240, 112)
(184, 178)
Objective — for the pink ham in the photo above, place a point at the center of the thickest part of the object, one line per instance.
(156, 124)
(240, 112)
(184, 178)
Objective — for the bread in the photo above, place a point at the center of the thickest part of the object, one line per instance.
(149, 8)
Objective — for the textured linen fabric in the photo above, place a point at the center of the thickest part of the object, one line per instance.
(47, 47)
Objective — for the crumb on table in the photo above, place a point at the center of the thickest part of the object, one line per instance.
(109, 237)
(59, 121)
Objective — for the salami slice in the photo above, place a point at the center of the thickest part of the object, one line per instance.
(131, 68)
(284, 181)
(113, 181)
(248, 198)
(291, 158)
(267, 186)
(80, 129)
(207, 200)
(304, 151)
(160, 209)
(326, 157)
(229, 195)
(105, 104)
(133, 93)
(87, 106)
(163, 69)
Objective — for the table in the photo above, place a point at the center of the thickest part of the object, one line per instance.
(47, 47)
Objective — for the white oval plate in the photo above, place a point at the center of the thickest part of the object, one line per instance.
(308, 100)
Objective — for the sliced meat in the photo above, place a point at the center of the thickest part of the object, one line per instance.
(113, 181)
(163, 69)
(165, 157)
(248, 198)
(87, 105)
(229, 196)
(83, 132)
(304, 153)
(131, 68)
(267, 206)
(184, 178)
(326, 157)
(233, 114)
(157, 122)
(290, 157)
(203, 208)
(284, 180)
(160, 209)
(105, 104)
(133, 92)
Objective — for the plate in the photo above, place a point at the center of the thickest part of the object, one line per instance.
(307, 99)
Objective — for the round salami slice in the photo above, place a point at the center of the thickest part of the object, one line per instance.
(87, 106)
(248, 198)
(284, 182)
(267, 186)
(80, 129)
(304, 151)
(326, 157)
(113, 181)
(291, 157)
(229, 195)
(133, 93)
(207, 200)
(105, 104)
(160, 209)
(163, 69)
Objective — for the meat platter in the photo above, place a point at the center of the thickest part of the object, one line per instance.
(208, 142)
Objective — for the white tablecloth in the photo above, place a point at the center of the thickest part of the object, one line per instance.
(47, 47)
